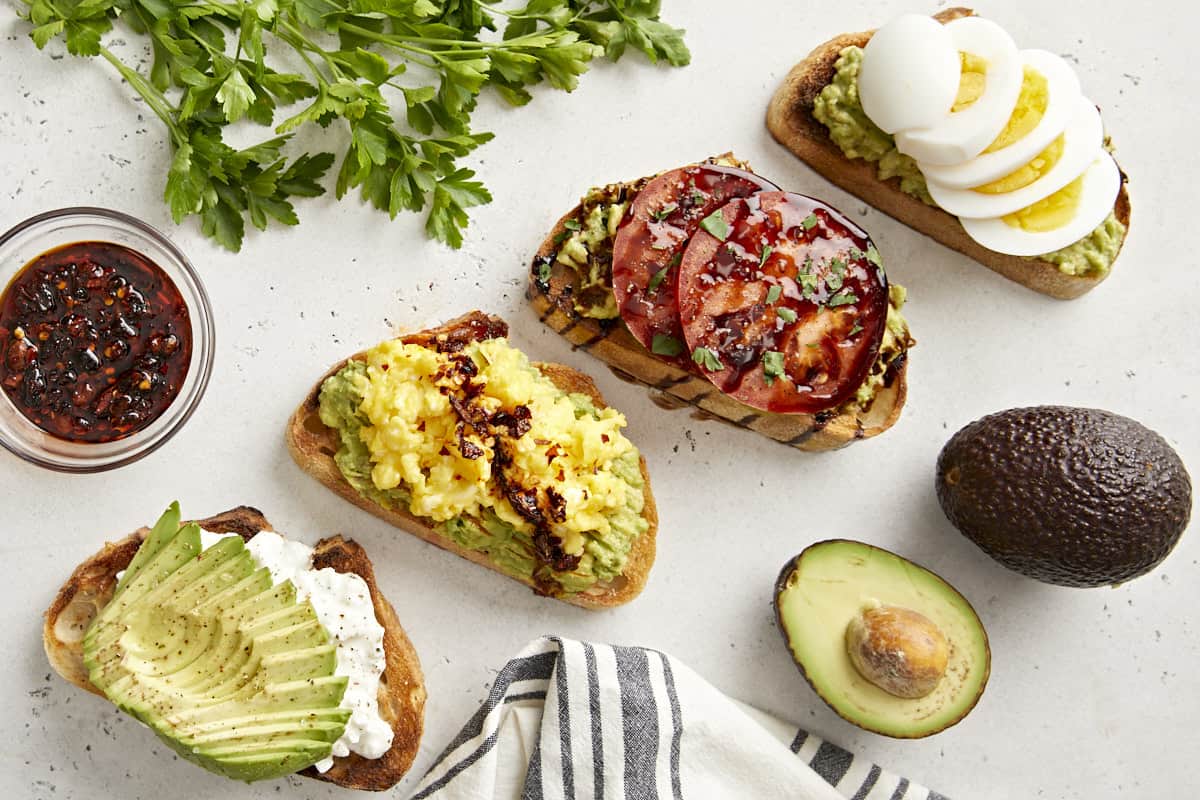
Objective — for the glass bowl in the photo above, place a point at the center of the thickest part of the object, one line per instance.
(53, 229)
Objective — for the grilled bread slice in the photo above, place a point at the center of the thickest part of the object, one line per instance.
(672, 387)
(401, 687)
(791, 122)
(313, 445)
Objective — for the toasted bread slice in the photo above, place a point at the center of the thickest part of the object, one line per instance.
(673, 387)
(401, 687)
(790, 120)
(313, 445)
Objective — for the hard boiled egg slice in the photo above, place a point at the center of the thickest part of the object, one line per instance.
(1056, 221)
(1062, 162)
(910, 73)
(1049, 97)
(992, 68)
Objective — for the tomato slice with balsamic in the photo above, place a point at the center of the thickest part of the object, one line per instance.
(783, 302)
(649, 247)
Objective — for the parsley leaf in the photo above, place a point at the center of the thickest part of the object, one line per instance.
(772, 362)
(665, 345)
(764, 255)
(786, 314)
(773, 293)
(664, 212)
(809, 222)
(572, 224)
(873, 256)
(213, 64)
(707, 359)
(856, 329)
(715, 224)
(842, 299)
(656, 280)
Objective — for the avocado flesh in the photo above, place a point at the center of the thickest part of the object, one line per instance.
(163, 531)
(825, 587)
(1070, 496)
(226, 667)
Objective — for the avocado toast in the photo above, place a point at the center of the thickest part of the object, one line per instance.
(401, 696)
(566, 297)
(316, 447)
(791, 120)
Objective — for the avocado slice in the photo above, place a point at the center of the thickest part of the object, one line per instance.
(1070, 496)
(840, 595)
(230, 669)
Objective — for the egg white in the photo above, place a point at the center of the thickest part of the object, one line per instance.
(1083, 141)
(962, 135)
(1063, 93)
(909, 74)
(1101, 183)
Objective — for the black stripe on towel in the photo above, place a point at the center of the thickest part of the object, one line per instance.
(593, 676)
(798, 742)
(901, 789)
(519, 669)
(453, 772)
(564, 723)
(676, 725)
(868, 784)
(831, 762)
(533, 775)
(639, 715)
(935, 796)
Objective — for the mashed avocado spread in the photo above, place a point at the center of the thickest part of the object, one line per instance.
(839, 109)
(511, 436)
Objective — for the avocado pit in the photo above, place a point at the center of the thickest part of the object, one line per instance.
(899, 650)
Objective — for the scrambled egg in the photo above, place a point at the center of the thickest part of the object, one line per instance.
(416, 438)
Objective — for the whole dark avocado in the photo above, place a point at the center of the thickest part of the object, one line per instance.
(1071, 496)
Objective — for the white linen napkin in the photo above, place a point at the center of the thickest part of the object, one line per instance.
(586, 721)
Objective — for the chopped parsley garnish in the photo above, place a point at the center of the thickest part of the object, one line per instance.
(765, 254)
(856, 254)
(666, 345)
(856, 329)
(708, 359)
(561, 237)
(808, 284)
(838, 266)
(697, 197)
(772, 362)
(773, 293)
(873, 256)
(842, 299)
(809, 222)
(715, 224)
(657, 280)
(572, 225)
(834, 281)
(676, 260)
(664, 212)
(786, 314)
(544, 271)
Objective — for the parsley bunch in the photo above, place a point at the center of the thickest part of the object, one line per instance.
(406, 129)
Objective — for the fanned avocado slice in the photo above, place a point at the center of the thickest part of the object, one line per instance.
(889, 645)
(229, 668)
(163, 531)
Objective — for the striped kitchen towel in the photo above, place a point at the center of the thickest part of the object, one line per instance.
(570, 719)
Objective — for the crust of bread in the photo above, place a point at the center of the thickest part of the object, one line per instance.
(401, 687)
(790, 120)
(673, 387)
(313, 445)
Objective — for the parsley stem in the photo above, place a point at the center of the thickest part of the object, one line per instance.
(153, 97)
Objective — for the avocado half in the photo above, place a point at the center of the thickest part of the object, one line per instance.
(822, 590)
(1070, 496)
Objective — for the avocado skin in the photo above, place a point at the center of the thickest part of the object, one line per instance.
(1070, 496)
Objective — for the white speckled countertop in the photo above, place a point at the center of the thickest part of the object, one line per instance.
(1093, 694)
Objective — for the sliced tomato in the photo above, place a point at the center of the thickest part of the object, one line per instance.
(785, 311)
(650, 244)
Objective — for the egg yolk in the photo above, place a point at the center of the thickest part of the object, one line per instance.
(1026, 174)
(972, 82)
(1049, 213)
(1030, 108)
